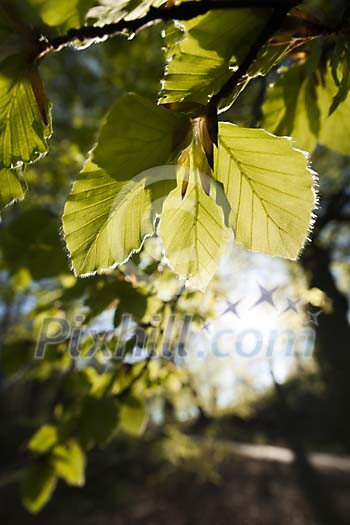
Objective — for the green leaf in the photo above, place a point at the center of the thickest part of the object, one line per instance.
(335, 128)
(109, 211)
(44, 439)
(66, 13)
(12, 187)
(25, 122)
(133, 416)
(138, 135)
(269, 187)
(37, 486)
(110, 11)
(291, 108)
(201, 53)
(99, 229)
(69, 461)
(340, 63)
(299, 104)
(192, 226)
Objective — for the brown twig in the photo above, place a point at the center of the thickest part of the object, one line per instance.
(184, 11)
(268, 31)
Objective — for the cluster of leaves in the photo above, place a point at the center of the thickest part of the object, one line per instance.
(168, 169)
(255, 184)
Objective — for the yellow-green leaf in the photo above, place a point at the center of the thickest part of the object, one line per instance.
(136, 136)
(291, 109)
(298, 105)
(270, 189)
(65, 13)
(24, 114)
(44, 439)
(68, 461)
(192, 225)
(12, 187)
(110, 209)
(133, 416)
(105, 220)
(110, 11)
(24, 111)
(202, 52)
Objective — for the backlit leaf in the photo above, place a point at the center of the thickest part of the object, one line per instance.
(109, 211)
(68, 461)
(12, 187)
(202, 52)
(24, 111)
(111, 11)
(138, 135)
(44, 439)
(192, 224)
(269, 187)
(66, 13)
(133, 416)
(299, 105)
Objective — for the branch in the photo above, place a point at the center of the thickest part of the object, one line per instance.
(184, 11)
(268, 31)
